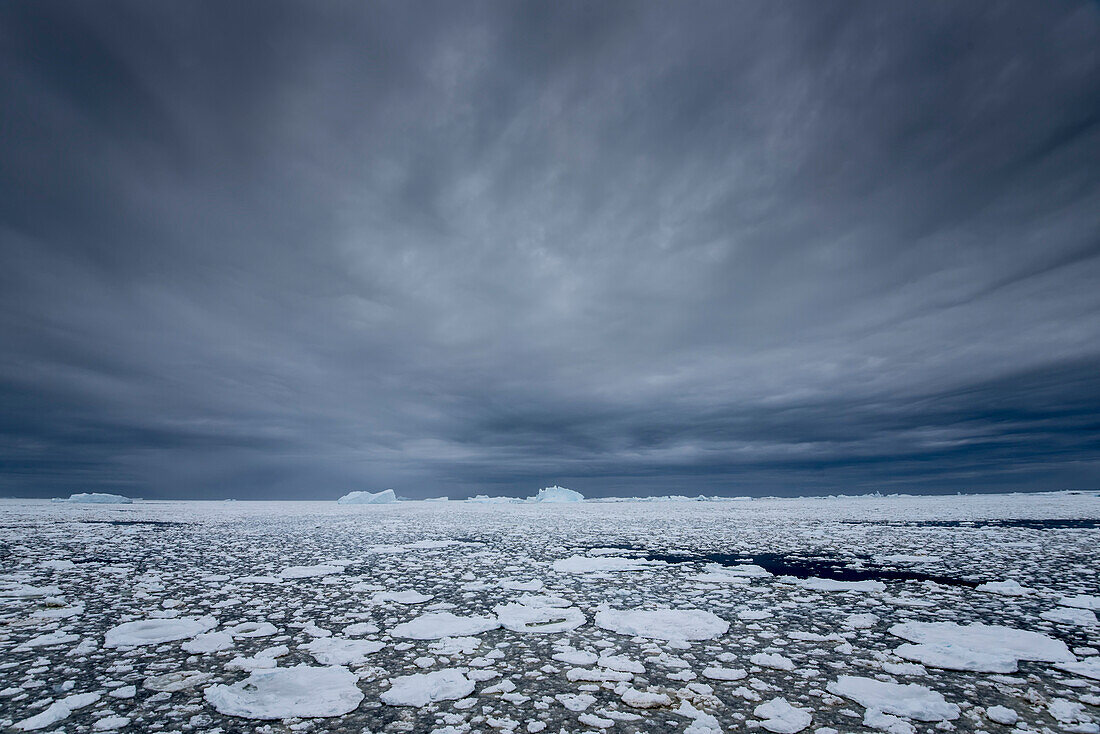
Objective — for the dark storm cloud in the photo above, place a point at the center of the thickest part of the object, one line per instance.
(292, 249)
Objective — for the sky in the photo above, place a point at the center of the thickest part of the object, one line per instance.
(290, 250)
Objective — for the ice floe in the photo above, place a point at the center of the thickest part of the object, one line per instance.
(540, 619)
(156, 631)
(342, 651)
(434, 625)
(781, 717)
(977, 647)
(282, 693)
(663, 624)
(57, 711)
(421, 689)
(910, 700)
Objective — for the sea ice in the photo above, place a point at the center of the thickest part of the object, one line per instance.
(57, 711)
(156, 631)
(209, 642)
(911, 701)
(977, 647)
(1071, 615)
(819, 584)
(341, 651)
(586, 564)
(401, 597)
(305, 572)
(282, 693)
(1089, 667)
(662, 624)
(420, 689)
(434, 625)
(541, 619)
(1005, 588)
(781, 717)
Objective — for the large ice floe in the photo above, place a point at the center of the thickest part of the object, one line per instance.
(385, 497)
(434, 625)
(977, 647)
(911, 701)
(420, 689)
(156, 631)
(95, 498)
(282, 693)
(663, 624)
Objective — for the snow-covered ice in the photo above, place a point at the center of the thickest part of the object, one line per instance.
(420, 689)
(844, 614)
(283, 693)
(663, 624)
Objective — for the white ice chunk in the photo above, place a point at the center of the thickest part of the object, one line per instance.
(781, 717)
(588, 564)
(976, 647)
(662, 624)
(209, 642)
(435, 625)
(401, 597)
(543, 620)
(156, 631)
(1004, 588)
(305, 572)
(716, 673)
(1002, 715)
(282, 693)
(911, 701)
(342, 651)
(1081, 601)
(1071, 615)
(819, 584)
(1089, 667)
(57, 711)
(420, 689)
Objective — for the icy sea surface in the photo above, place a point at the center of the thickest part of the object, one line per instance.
(897, 614)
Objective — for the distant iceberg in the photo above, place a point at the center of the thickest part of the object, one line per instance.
(96, 498)
(558, 494)
(487, 500)
(384, 497)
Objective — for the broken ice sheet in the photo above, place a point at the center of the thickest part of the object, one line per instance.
(508, 617)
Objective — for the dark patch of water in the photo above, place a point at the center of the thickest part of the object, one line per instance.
(152, 523)
(1061, 524)
(819, 565)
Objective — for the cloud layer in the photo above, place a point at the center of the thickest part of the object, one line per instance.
(290, 250)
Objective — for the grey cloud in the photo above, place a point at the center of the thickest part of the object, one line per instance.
(291, 249)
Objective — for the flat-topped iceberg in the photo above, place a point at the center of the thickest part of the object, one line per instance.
(95, 498)
(385, 497)
(558, 494)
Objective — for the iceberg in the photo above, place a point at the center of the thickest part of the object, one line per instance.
(557, 494)
(96, 498)
(384, 497)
